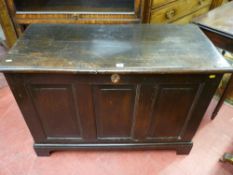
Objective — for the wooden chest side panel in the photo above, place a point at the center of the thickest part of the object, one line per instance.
(16, 83)
(200, 107)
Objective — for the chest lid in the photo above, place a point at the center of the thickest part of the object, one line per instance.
(114, 48)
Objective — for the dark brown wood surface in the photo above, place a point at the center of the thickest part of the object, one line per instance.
(121, 48)
(127, 86)
(68, 111)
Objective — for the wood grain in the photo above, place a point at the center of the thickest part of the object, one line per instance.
(78, 12)
(109, 49)
(91, 112)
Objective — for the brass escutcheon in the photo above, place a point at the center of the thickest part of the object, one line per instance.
(115, 78)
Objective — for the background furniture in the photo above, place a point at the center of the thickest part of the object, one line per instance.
(115, 86)
(7, 24)
(177, 11)
(23, 12)
(76, 11)
(218, 26)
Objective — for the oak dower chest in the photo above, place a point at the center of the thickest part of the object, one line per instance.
(113, 87)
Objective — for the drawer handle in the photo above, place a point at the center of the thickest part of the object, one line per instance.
(170, 14)
(115, 78)
(75, 16)
(200, 2)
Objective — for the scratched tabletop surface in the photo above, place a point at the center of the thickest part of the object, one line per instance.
(114, 48)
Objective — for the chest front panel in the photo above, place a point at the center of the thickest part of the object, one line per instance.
(93, 108)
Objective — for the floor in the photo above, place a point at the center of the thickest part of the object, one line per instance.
(2, 54)
(17, 156)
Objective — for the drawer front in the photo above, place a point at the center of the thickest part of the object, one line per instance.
(188, 18)
(111, 108)
(158, 3)
(176, 10)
